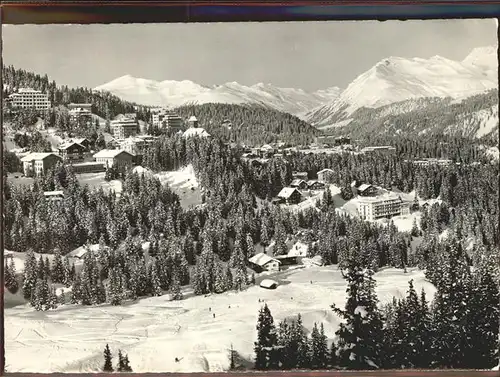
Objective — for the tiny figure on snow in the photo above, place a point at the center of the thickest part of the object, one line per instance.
(259, 299)
(291, 298)
(311, 281)
(176, 360)
(214, 315)
(209, 309)
(229, 307)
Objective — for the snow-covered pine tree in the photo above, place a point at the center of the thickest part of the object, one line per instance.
(175, 288)
(57, 275)
(451, 308)
(76, 291)
(482, 322)
(67, 281)
(323, 348)
(284, 345)
(265, 346)
(155, 280)
(115, 286)
(314, 347)
(300, 338)
(360, 335)
(220, 281)
(228, 279)
(53, 298)
(108, 360)
(126, 364)
(42, 299)
(10, 277)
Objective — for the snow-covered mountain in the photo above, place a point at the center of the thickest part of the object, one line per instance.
(176, 93)
(397, 79)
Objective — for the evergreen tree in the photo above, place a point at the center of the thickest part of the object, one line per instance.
(30, 275)
(57, 275)
(265, 346)
(108, 360)
(67, 278)
(155, 279)
(360, 335)
(10, 277)
(175, 289)
(115, 292)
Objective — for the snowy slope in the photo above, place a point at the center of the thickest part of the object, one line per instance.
(398, 79)
(176, 93)
(154, 331)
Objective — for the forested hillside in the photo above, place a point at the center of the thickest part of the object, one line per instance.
(473, 117)
(104, 104)
(249, 124)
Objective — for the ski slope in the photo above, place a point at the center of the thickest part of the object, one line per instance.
(154, 331)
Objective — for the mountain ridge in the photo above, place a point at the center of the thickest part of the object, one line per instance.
(171, 93)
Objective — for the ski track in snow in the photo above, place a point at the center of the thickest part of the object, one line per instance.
(154, 330)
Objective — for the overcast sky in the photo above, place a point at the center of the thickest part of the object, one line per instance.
(307, 55)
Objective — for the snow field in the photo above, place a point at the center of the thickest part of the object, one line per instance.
(154, 331)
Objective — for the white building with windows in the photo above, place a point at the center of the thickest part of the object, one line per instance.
(382, 206)
(27, 98)
(124, 128)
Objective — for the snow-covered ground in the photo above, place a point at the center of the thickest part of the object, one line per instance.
(183, 182)
(154, 331)
(96, 180)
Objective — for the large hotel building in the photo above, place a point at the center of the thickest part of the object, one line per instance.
(382, 206)
(124, 128)
(27, 98)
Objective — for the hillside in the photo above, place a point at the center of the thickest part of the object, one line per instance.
(249, 124)
(104, 105)
(396, 79)
(170, 93)
(473, 117)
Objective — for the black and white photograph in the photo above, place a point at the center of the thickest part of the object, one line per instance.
(213, 197)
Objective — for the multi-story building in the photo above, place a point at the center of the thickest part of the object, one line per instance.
(136, 145)
(326, 176)
(36, 164)
(193, 121)
(124, 128)
(117, 158)
(431, 162)
(71, 151)
(80, 114)
(27, 98)
(379, 149)
(382, 206)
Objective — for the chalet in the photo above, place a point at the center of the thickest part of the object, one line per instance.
(54, 196)
(71, 151)
(83, 142)
(114, 158)
(326, 176)
(263, 262)
(290, 195)
(299, 183)
(36, 164)
(315, 185)
(300, 175)
(367, 190)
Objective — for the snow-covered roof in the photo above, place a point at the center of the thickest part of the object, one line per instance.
(79, 252)
(192, 118)
(286, 192)
(195, 131)
(67, 145)
(268, 283)
(109, 153)
(297, 182)
(325, 170)
(298, 250)
(311, 182)
(261, 259)
(364, 187)
(38, 156)
(53, 193)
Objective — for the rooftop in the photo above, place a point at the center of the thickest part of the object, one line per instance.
(261, 259)
(109, 153)
(37, 156)
(286, 192)
(379, 198)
